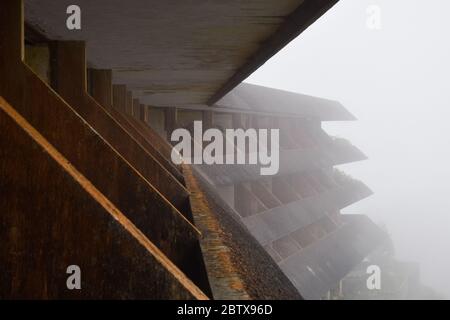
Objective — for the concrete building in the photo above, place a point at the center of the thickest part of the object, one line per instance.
(86, 176)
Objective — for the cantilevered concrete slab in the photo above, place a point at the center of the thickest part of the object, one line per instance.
(318, 268)
(291, 162)
(179, 52)
(263, 99)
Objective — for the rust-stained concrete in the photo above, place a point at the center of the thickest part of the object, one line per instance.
(90, 153)
(223, 276)
(54, 217)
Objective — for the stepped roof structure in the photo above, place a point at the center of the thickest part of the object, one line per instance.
(295, 214)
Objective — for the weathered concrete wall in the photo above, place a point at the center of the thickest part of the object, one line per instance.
(53, 217)
(91, 153)
(69, 58)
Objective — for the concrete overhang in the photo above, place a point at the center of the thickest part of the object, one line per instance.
(175, 53)
(257, 98)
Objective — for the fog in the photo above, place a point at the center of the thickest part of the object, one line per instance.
(395, 80)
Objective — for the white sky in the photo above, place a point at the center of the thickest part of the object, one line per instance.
(396, 82)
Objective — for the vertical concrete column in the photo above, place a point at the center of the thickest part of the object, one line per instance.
(11, 34)
(207, 119)
(207, 122)
(100, 86)
(68, 69)
(170, 120)
(11, 51)
(142, 110)
(135, 108)
(37, 57)
(129, 103)
(119, 97)
(147, 114)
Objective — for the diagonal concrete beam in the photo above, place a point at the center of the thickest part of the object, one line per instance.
(106, 261)
(68, 58)
(87, 150)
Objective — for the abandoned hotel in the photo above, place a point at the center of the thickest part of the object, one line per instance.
(102, 195)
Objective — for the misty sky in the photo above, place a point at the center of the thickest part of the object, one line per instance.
(396, 82)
